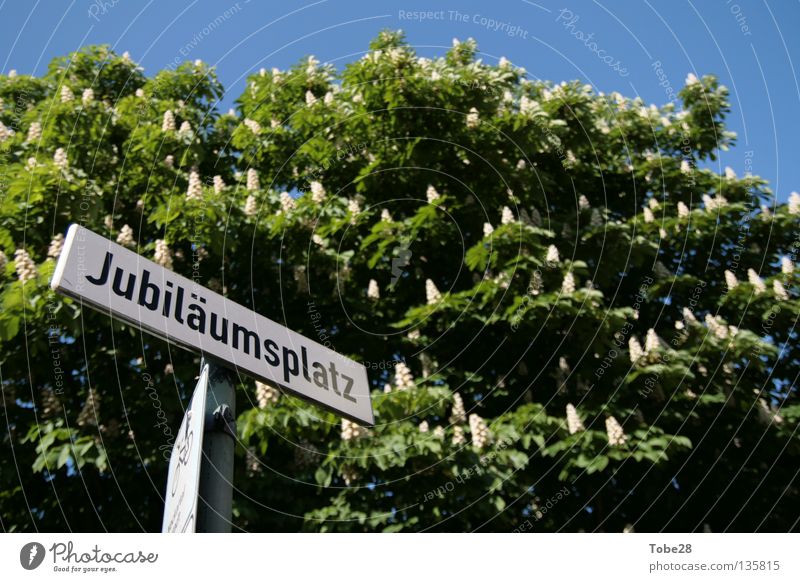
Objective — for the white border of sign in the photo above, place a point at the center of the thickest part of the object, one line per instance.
(119, 282)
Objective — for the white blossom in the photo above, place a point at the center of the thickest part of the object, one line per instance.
(252, 125)
(616, 436)
(12, 74)
(3, 261)
(169, 161)
(574, 424)
(125, 237)
(34, 132)
(287, 202)
(386, 216)
(691, 79)
(730, 280)
(583, 202)
(503, 63)
(274, 123)
(458, 436)
(488, 229)
(521, 164)
(250, 206)
(787, 266)
(438, 432)
(54, 250)
(766, 213)
(26, 268)
(195, 189)
(354, 208)
(87, 96)
(5, 132)
(317, 192)
(552, 257)
(66, 94)
(479, 431)
(780, 290)
(794, 202)
(473, 119)
(714, 203)
(311, 66)
(219, 184)
(403, 378)
(350, 475)
(424, 427)
(635, 350)
(432, 293)
(729, 173)
(507, 216)
(140, 93)
(328, 100)
(756, 281)
(352, 430)
(683, 210)
(648, 215)
(653, 204)
(568, 284)
(253, 182)
(185, 129)
(163, 256)
(318, 240)
(458, 413)
(310, 99)
(686, 167)
(60, 159)
(266, 395)
(688, 315)
(431, 194)
(651, 342)
(373, 292)
(168, 123)
(528, 106)
(716, 326)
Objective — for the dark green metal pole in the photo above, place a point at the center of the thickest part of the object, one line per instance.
(216, 470)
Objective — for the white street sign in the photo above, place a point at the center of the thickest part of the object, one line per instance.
(116, 280)
(183, 479)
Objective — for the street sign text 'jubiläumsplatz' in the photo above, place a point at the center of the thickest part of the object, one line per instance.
(114, 279)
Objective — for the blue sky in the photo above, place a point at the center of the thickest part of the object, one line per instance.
(752, 46)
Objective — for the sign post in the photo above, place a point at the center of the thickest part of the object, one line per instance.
(216, 474)
(115, 280)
